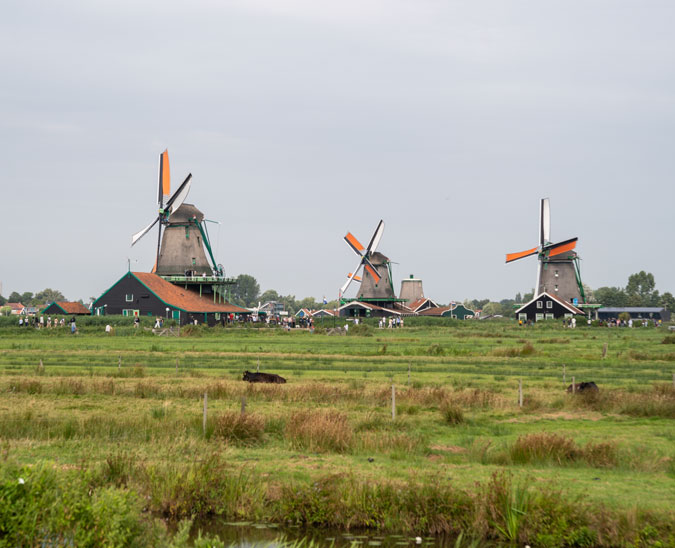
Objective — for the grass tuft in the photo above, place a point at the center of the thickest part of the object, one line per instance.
(320, 430)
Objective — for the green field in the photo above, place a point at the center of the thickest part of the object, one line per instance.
(123, 415)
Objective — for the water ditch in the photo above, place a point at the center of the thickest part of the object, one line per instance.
(246, 534)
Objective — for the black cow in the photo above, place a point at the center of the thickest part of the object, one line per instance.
(263, 377)
(582, 387)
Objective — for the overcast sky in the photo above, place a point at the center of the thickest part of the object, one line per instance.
(303, 119)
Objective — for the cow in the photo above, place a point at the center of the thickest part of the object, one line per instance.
(582, 387)
(263, 377)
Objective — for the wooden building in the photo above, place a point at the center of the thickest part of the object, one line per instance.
(64, 308)
(147, 294)
(547, 307)
(635, 312)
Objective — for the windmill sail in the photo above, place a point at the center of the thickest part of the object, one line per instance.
(164, 178)
(364, 255)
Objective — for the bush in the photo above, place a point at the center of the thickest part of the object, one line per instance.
(452, 413)
(320, 430)
(241, 428)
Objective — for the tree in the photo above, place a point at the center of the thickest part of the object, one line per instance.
(2, 300)
(640, 289)
(48, 295)
(246, 291)
(611, 296)
(14, 297)
(269, 295)
(491, 309)
(667, 301)
(5, 310)
(27, 298)
(527, 297)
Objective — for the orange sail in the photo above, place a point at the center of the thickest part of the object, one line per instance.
(514, 256)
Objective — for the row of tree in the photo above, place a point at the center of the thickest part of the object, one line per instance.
(44, 297)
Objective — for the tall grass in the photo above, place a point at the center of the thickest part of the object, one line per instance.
(319, 430)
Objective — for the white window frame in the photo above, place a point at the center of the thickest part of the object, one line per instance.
(538, 317)
(550, 317)
(522, 316)
(129, 297)
(549, 304)
(540, 304)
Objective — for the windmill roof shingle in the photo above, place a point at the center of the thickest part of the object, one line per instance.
(182, 298)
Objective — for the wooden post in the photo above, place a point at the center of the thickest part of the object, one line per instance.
(604, 351)
(119, 362)
(574, 388)
(243, 405)
(520, 392)
(393, 402)
(205, 408)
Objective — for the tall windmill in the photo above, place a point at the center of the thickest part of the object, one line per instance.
(168, 208)
(181, 257)
(558, 270)
(376, 282)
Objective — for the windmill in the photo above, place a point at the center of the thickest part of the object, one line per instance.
(376, 281)
(180, 249)
(558, 271)
(172, 204)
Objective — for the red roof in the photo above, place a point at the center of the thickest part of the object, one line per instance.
(182, 298)
(437, 311)
(73, 308)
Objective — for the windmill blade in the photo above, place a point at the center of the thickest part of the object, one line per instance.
(356, 278)
(377, 236)
(179, 196)
(352, 277)
(143, 232)
(164, 178)
(561, 247)
(370, 268)
(515, 256)
(544, 222)
(354, 244)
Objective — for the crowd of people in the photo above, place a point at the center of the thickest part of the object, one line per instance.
(47, 323)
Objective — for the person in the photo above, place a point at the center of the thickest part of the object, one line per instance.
(108, 329)
(137, 322)
(42, 321)
(20, 322)
(574, 322)
(73, 326)
(401, 322)
(158, 323)
(63, 322)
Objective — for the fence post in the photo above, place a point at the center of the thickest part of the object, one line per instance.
(243, 405)
(119, 362)
(574, 388)
(393, 402)
(205, 408)
(520, 392)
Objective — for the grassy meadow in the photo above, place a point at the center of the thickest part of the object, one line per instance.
(119, 419)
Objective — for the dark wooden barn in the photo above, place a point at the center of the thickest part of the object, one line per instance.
(63, 308)
(146, 294)
(547, 307)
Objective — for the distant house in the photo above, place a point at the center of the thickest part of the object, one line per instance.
(358, 309)
(458, 311)
(422, 304)
(636, 312)
(324, 313)
(272, 308)
(303, 313)
(146, 294)
(547, 307)
(17, 308)
(66, 308)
